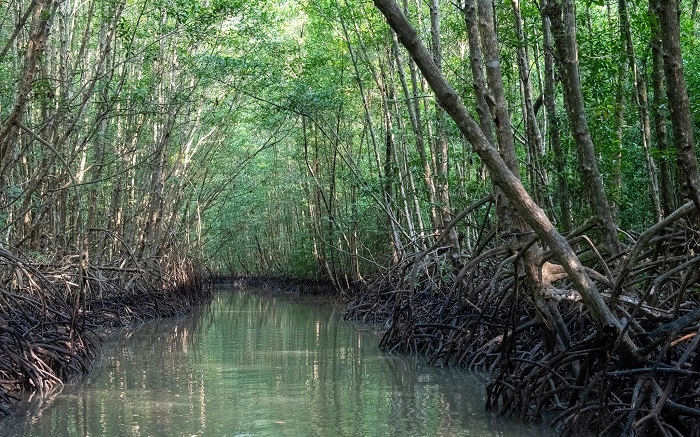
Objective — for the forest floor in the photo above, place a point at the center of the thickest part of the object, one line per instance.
(479, 313)
(52, 314)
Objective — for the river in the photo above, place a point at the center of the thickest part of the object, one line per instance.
(255, 365)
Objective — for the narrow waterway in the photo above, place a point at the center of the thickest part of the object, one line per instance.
(253, 365)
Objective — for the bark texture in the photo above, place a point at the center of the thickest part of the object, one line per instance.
(678, 103)
(563, 20)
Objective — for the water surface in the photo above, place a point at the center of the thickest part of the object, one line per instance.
(252, 365)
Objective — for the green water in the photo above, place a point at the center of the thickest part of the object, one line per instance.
(249, 365)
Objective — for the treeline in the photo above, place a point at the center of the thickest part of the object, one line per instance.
(104, 129)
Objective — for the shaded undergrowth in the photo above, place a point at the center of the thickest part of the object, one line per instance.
(279, 285)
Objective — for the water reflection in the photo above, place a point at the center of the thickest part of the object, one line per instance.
(260, 366)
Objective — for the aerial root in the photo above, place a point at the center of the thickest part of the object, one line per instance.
(482, 317)
(49, 314)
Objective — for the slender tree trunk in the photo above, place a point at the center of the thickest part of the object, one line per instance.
(441, 155)
(679, 106)
(494, 79)
(429, 180)
(549, 98)
(386, 197)
(41, 15)
(668, 200)
(536, 171)
(476, 62)
(642, 102)
(619, 123)
(400, 171)
(563, 20)
(417, 135)
(19, 25)
(96, 218)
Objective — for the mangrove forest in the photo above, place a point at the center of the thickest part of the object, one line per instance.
(508, 187)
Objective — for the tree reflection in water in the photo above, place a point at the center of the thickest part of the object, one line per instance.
(249, 364)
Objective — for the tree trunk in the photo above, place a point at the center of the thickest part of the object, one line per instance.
(509, 222)
(476, 63)
(681, 120)
(642, 102)
(441, 152)
(549, 98)
(659, 106)
(619, 124)
(41, 14)
(536, 171)
(494, 79)
(417, 136)
(386, 197)
(502, 175)
(563, 20)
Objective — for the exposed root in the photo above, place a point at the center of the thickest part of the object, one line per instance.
(481, 315)
(49, 313)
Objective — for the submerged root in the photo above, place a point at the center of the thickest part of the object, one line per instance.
(480, 315)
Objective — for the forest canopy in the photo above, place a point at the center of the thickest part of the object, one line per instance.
(298, 138)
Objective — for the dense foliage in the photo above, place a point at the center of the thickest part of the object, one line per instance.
(353, 175)
(294, 138)
(141, 139)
